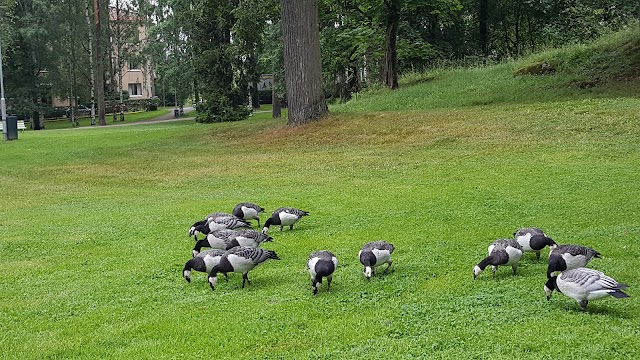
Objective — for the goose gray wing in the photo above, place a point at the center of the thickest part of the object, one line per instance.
(575, 250)
(503, 243)
(292, 211)
(322, 255)
(212, 253)
(258, 208)
(529, 230)
(225, 234)
(379, 244)
(255, 235)
(217, 214)
(256, 255)
(591, 280)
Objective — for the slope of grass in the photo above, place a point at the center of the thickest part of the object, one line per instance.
(607, 68)
(93, 234)
(611, 61)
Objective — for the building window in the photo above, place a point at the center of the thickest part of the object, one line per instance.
(135, 89)
(133, 65)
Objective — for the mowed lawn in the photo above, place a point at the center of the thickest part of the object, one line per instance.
(93, 234)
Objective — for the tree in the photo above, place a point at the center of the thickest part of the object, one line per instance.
(31, 57)
(100, 14)
(216, 64)
(302, 62)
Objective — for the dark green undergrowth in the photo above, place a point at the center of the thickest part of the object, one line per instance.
(93, 229)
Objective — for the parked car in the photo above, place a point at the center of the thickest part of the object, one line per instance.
(80, 111)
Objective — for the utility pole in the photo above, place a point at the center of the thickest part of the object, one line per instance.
(91, 61)
(3, 105)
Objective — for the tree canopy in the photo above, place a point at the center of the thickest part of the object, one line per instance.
(212, 52)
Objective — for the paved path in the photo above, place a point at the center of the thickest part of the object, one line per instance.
(160, 119)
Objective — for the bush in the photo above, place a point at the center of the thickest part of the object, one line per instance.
(142, 104)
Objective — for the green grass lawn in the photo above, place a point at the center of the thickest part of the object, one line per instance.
(93, 230)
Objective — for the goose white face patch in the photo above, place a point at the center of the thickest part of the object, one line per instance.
(213, 280)
(367, 271)
(187, 274)
(476, 270)
(195, 253)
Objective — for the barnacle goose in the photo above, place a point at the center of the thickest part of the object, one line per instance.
(567, 257)
(221, 222)
(321, 264)
(225, 239)
(248, 211)
(501, 252)
(240, 259)
(284, 216)
(533, 240)
(584, 285)
(206, 219)
(374, 254)
(202, 262)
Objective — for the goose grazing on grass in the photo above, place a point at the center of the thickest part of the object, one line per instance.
(225, 239)
(567, 257)
(240, 259)
(285, 216)
(248, 211)
(252, 238)
(374, 254)
(202, 262)
(222, 239)
(584, 285)
(218, 223)
(206, 219)
(321, 264)
(501, 252)
(533, 240)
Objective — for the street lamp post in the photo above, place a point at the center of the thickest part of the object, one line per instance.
(3, 105)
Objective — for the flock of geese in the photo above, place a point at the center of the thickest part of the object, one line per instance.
(566, 271)
(235, 247)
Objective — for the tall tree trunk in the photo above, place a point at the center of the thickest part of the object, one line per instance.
(483, 17)
(302, 62)
(99, 61)
(255, 96)
(276, 112)
(390, 40)
(196, 93)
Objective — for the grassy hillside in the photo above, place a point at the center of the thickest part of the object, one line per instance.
(93, 229)
(607, 68)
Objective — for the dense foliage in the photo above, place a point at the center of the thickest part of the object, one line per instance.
(213, 51)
